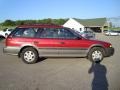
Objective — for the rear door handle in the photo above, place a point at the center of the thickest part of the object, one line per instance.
(62, 43)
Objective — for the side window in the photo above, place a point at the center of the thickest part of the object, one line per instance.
(39, 31)
(29, 32)
(60, 33)
(25, 32)
(49, 33)
(66, 34)
(18, 32)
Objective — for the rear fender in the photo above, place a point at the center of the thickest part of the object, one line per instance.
(25, 46)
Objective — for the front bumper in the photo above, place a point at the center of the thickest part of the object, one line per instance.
(109, 51)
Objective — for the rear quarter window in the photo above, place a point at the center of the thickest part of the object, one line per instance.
(24, 32)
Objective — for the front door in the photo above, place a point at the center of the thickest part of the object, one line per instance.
(71, 44)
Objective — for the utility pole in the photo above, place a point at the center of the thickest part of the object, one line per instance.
(108, 26)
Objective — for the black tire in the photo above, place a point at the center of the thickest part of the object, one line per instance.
(96, 54)
(29, 55)
(2, 37)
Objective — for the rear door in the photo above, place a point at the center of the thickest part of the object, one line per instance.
(48, 42)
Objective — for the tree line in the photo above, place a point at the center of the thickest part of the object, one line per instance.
(42, 21)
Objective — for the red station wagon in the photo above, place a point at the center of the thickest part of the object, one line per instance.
(45, 40)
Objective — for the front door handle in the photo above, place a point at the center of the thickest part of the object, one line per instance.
(35, 42)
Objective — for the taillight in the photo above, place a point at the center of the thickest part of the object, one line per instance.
(8, 39)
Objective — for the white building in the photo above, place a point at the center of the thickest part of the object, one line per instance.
(73, 24)
(80, 25)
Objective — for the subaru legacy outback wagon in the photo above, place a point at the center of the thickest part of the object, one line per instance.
(30, 42)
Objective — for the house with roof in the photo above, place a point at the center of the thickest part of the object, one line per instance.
(97, 24)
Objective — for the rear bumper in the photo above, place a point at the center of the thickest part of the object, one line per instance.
(109, 51)
(11, 50)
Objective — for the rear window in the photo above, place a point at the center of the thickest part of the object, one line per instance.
(24, 32)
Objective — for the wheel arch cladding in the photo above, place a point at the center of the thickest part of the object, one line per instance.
(19, 54)
(99, 46)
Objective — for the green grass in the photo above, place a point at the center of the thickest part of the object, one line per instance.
(3, 27)
(115, 28)
(112, 28)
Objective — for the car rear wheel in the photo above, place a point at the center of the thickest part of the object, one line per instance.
(96, 54)
(29, 55)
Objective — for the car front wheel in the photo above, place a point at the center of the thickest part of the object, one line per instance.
(29, 55)
(96, 54)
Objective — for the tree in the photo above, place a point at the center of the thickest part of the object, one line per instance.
(47, 21)
(8, 23)
(43, 21)
(19, 22)
(30, 22)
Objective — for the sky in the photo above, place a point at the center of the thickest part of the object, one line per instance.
(41, 9)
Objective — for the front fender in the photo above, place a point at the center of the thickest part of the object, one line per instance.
(95, 45)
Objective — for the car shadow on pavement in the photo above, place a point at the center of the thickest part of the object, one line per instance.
(40, 59)
(99, 80)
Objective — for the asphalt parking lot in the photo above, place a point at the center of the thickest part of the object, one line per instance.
(61, 73)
